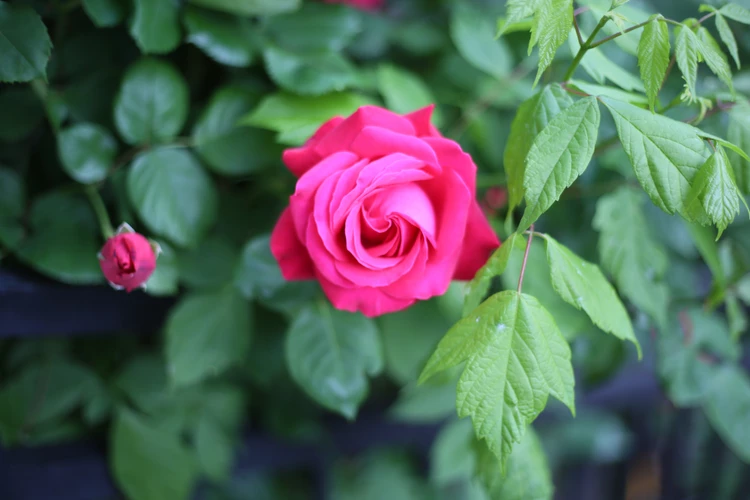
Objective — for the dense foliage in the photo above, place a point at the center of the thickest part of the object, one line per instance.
(610, 139)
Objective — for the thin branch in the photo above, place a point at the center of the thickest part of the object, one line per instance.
(582, 50)
(618, 34)
(578, 31)
(525, 258)
(707, 16)
(580, 10)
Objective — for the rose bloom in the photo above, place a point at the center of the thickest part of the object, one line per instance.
(384, 212)
(127, 260)
(360, 4)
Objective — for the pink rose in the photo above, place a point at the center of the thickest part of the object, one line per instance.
(128, 259)
(360, 4)
(384, 212)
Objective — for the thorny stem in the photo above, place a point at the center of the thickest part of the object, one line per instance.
(525, 258)
(586, 46)
(101, 212)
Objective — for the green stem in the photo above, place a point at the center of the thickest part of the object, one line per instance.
(612, 37)
(707, 16)
(101, 212)
(582, 50)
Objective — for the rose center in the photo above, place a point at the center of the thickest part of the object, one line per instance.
(125, 256)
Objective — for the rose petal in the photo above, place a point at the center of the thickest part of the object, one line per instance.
(300, 160)
(479, 247)
(369, 301)
(289, 252)
(411, 202)
(450, 155)
(373, 142)
(422, 121)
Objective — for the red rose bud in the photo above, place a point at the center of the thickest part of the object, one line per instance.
(128, 259)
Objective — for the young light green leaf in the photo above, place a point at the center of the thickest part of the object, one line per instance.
(666, 154)
(86, 152)
(723, 142)
(558, 156)
(206, 334)
(725, 32)
(629, 252)
(653, 57)
(532, 116)
(518, 10)
(739, 133)
(495, 266)
(552, 23)
(736, 12)
(156, 26)
(687, 52)
(330, 353)
(515, 357)
(226, 39)
(25, 46)
(172, 193)
(473, 33)
(714, 57)
(148, 462)
(582, 285)
(601, 68)
(715, 191)
(727, 406)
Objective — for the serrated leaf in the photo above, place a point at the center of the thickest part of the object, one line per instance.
(558, 156)
(25, 46)
(629, 252)
(515, 357)
(156, 25)
(226, 39)
(582, 285)
(725, 32)
(727, 406)
(206, 334)
(518, 10)
(736, 12)
(330, 353)
(715, 191)
(601, 68)
(603, 90)
(552, 23)
(473, 33)
(665, 154)
(495, 266)
(738, 132)
(532, 116)
(687, 52)
(653, 57)
(714, 57)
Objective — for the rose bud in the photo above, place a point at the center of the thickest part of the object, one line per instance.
(128, 259)
(384, 212)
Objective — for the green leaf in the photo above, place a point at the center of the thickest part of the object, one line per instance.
(214, 448)
(477, 289)
(156, 25)
(687, 49)
(425, 404)
(226, 39)
(206, 334)
(582, 285)
(603, 90)
(558, 156)
(315, 28)
(452, 456)
(473, 33)
(164, 280)
(653, 57)
(725, 32)
(736, 12)
(64, 239)
(515, 357)
(552, 23)
(309, 74)
(714, 191)
(408, 338)
(258, 274)
(25, 46)
(22, 113)
(210, 265)
(250, 7)
(404, 91)
(601, 68)
(727, 406)
(330, 353)
(714, 57)
(738, 132)
(532, 116)
(149, 463)
(627, 250)
(152, 104)
(378, 475)
(172, 194)
(528, 475)
(229, 148)
(105, 13)
(87, 152)
(12, 196)
(299, 116)
(705, 241)
(666, 154)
